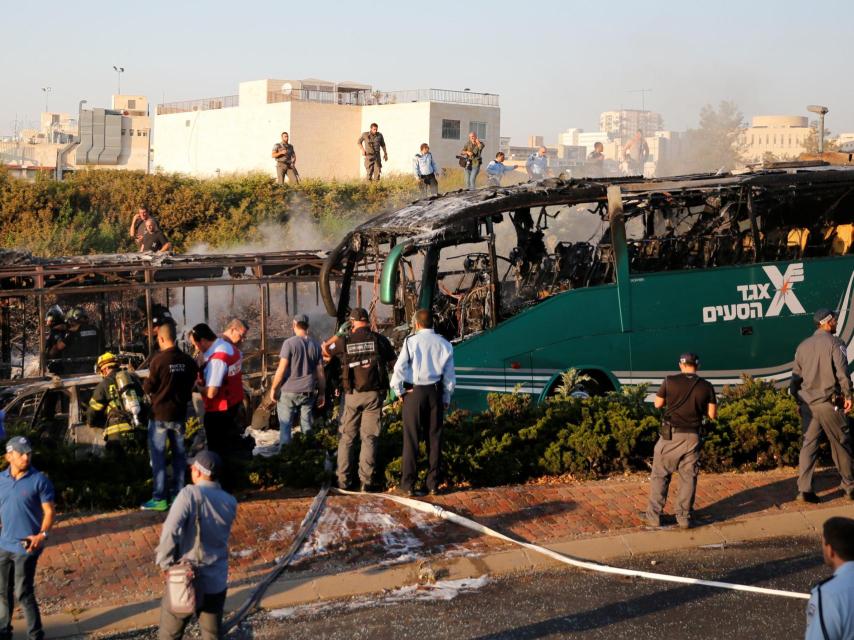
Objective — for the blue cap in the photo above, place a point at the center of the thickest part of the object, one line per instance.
(207, 463)
(19, 444)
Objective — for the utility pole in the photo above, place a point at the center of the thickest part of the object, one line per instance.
(821, 111)
(643, 93)
(119, 71)
(46, 91)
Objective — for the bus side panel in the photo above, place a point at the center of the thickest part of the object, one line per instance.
(574, 327)
(738, 319)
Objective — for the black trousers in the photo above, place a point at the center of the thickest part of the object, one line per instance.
(423, 413)
(223, 435)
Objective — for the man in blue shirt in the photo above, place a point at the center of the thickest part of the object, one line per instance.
(830, 612)
(537, 164)
(424, 377)
(26, 513)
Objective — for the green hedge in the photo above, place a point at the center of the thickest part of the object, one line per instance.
(515, 440)
(90, 211)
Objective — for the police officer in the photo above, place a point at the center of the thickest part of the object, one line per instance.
(365, 357)
(424, 377)
(286, 160)
(82, 342)
(830, 612)
(822, 387)
(370, 143)
(688, 399)
(118, 404)
(56, 331)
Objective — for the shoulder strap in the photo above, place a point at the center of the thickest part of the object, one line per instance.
(821, 615)
(683, 399)
(198, 542)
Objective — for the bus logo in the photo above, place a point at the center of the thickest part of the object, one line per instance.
(753, 295)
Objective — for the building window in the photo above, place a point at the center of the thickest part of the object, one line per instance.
(479, 129)
(131, 104)
(131, 132)
(450, 129)
(124, 132)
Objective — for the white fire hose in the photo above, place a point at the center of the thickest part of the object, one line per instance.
(441, 512)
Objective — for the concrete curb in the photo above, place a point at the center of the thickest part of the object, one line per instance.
(377, 578)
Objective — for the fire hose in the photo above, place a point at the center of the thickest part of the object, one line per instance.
(440, 512)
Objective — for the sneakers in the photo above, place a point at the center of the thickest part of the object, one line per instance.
(155, 505)
(807, 496)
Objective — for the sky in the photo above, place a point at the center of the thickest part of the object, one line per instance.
(555, 64)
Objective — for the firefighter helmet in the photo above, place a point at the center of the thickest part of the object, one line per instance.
(106, 359)
(54, 316)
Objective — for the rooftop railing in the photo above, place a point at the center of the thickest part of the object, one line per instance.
(205, 104)
(353, 98)
(367, 98)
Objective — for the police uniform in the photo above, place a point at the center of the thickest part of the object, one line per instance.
(105, 409)
(819, 378)
(687, 397)
(830, 612)
(373, 144)
(83, 345)
(53, 352)
(285, 163)
(365, 357)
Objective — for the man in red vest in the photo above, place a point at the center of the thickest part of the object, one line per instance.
(223, 383)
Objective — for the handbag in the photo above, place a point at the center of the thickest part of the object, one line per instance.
(181, 598)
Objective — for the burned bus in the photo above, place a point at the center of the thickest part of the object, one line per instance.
(614, 277)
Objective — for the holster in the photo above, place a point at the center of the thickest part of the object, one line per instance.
(666, 429)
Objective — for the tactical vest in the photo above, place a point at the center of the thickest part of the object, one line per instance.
(361, 351)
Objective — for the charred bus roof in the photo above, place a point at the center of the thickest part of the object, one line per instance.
(455, 212)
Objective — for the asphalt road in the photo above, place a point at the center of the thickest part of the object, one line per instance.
(566, 603)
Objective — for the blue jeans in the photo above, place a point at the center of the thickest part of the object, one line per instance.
(289, 405)
(471, 175)
(158, 432)
(23, 566)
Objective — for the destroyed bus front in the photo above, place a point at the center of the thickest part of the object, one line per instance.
(614, 278)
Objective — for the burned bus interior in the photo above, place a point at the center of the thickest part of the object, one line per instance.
(479, 257)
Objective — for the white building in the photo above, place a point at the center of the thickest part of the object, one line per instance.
(625, 122)
(324, 121)
(781, 136)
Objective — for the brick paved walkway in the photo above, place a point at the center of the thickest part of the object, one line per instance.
(107, 559)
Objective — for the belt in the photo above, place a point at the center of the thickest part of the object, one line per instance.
(686, 429)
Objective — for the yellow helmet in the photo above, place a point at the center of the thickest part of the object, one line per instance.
(106, 359)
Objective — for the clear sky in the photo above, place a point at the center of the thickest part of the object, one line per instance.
(555, 63)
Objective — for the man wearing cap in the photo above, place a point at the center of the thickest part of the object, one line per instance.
(365, 357)
(687, 399)
(822, 387)
(301, 379)
(205, 511)
(424, 377)
(26, 515)
(171, 377)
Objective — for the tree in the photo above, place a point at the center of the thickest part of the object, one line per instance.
(715, 144)
(811, 141)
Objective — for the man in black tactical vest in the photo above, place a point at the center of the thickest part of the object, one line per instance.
(688, 399)
(366, 357)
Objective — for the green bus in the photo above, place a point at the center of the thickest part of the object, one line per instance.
(614, 277)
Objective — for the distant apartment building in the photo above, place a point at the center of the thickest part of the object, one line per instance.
(324, 120)
(625, 122)
(116, 138)
(782, 136)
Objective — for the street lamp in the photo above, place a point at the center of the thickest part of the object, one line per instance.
(46, 91)
(821, 111)
(119, 71)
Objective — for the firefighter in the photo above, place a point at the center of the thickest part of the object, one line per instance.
(82, 342)
(118, 405)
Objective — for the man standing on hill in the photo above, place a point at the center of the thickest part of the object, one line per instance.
(370, 143)
(286, 160)
(822, 387)
(688, 399)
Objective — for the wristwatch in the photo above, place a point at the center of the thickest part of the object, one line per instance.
(43, 534)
